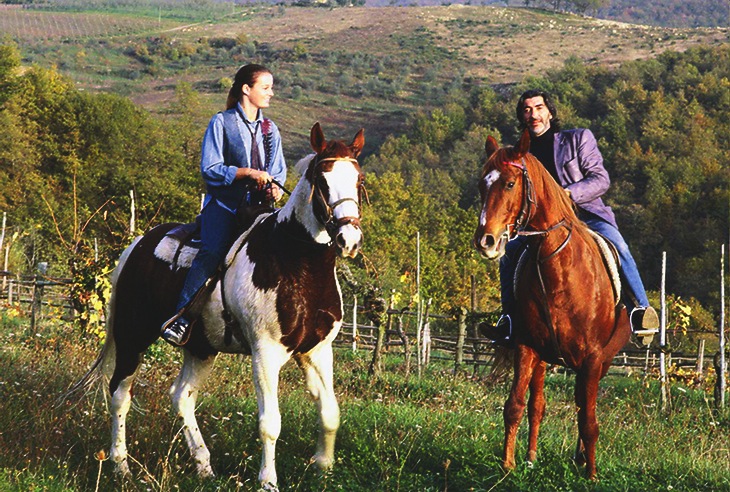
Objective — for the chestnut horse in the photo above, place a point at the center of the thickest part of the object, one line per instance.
(277, 298)
(567, 310)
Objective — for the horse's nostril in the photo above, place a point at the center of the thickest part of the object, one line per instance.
(340, 240)
(488, 241)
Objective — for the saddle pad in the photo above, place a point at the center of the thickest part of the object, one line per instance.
(611, 260)
(175, 254)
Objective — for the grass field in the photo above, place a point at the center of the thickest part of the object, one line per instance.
(435, 433)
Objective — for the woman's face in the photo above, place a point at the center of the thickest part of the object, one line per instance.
(261, 92)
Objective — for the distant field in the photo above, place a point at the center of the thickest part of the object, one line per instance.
(30, 26)
(348, 67)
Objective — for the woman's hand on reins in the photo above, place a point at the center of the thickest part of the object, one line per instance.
(262, 178)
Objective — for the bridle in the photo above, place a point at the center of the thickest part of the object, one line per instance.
(529, 204)
(324, 211)
(528, 201)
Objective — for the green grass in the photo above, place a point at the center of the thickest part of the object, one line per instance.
(439, 432)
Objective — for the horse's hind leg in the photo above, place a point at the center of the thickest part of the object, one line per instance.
(184, 393)
(586, 393)
(317, 368)
(535, 409)
(121, 401)
(524, 365)
(120, 386)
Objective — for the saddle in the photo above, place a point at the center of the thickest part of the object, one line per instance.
(609, 255)
(181, 244)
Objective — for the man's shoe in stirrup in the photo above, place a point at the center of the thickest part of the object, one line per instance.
(644, 323)
(175, 329)
(500, 333)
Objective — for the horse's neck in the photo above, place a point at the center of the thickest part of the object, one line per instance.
(545, 214)
(299, 208)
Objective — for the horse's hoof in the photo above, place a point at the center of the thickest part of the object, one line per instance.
(579, 459)
(121, 468)
(508, 465)
(324, 463)
(268, 487)
(205, 472)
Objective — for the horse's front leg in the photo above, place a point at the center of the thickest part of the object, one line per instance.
(524, 365)
(267, 360)
(318, 371)
(184, 393)
(535, 409)
(586, 394)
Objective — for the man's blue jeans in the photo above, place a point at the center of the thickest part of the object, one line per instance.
(217, 233)
(630, 278)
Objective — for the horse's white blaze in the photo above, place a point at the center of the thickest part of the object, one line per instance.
(491, 178)
(342, 181)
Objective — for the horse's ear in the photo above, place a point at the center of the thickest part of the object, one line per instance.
(491, 146)
(523, 147)
(316, 138)
(358, 142)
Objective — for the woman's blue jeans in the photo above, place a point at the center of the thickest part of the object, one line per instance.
(218, 228)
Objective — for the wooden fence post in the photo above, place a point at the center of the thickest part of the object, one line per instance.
(461, 336)
(406, 344)
(376, 309)
(720, 385)
(426, 337)
(701, 358)
(37, 301)
(354, 323)
(663, 337)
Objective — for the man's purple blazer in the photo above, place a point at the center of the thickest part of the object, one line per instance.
(579, 165)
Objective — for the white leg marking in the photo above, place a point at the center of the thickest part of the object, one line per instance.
(318, 371)
(121, 401)
(267, 359)
(184, 393)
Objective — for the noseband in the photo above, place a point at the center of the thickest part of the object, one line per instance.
(325, 212)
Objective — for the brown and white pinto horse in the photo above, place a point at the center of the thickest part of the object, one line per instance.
(281, 290)
(567, 312)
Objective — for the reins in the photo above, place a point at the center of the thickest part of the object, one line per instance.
(520, 225)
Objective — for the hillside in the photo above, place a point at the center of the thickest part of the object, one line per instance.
(347, 67)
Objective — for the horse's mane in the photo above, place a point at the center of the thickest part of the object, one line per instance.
(303, 163)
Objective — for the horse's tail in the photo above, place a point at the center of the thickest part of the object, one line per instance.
(103, 366)
(502, 361)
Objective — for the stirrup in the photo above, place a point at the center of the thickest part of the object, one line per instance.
(644, 323)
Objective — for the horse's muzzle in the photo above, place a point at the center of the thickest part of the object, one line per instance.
(348, 240)
(491, 246)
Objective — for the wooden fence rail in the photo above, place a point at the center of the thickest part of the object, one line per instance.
(39, 293)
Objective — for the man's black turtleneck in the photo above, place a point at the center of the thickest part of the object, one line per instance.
(542, 148)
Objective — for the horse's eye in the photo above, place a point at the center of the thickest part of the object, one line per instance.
(510, 185)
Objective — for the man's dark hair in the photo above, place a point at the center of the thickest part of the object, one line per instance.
(554, 123)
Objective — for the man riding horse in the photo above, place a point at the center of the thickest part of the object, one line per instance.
(574, 161)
